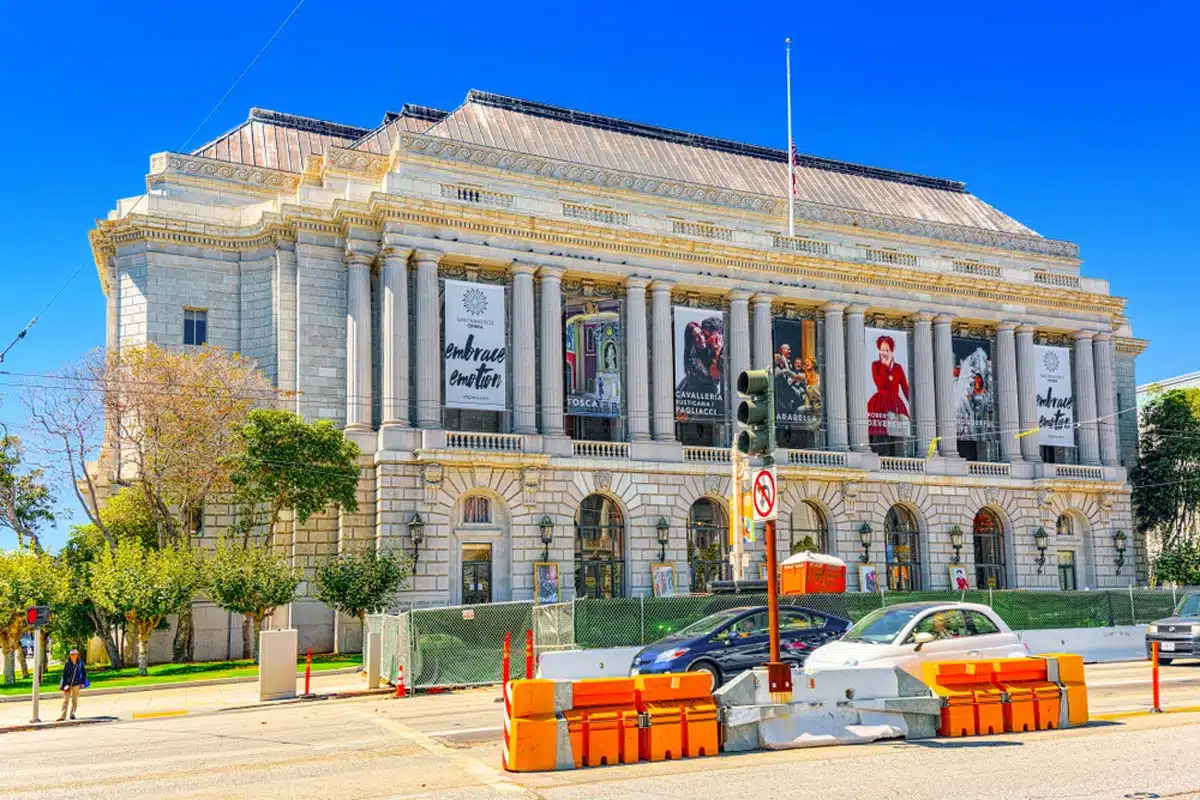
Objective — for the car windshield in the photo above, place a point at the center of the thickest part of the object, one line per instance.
(881, 626)
(1190, 607)
(710, 623)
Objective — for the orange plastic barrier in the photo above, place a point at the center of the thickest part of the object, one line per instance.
(1033, 701)
(1070, 677)
(971, 705)
(679, 716)
(600, 737)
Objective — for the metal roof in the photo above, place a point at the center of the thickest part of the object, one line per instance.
(411, 119)
(279, 141)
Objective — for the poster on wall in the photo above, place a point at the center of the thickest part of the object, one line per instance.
(889, 406)
(545, 582)
(1055, 399)
(475, 350)
(663, 577)
(593, 352)
(699, 365)
(797, 379)
(974, 389)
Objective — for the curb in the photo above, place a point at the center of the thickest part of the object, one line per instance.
(53, 725)
(158, 687)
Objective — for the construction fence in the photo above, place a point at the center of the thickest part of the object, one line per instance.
(463, 645)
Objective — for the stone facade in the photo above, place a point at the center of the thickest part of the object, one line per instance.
(329, 277)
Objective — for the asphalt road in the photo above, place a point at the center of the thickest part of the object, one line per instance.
(447, 746)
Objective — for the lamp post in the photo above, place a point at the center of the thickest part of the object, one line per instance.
(956, 541)
(1119, 544)
(864, 538)
(547, 527)
(416, 532)
(1040, 540)
(664, 534)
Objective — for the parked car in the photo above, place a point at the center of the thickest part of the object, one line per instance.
(907, 634)
(27, 644)
(728, 642)
(1177, 636)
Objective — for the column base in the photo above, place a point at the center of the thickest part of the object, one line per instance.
(398, 436)
(656, 451)
(557, 444)
(363, 436)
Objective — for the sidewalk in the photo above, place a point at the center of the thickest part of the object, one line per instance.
(168, 701)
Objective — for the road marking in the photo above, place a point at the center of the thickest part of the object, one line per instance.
(1143, 682)
(481, 772)
(462, 731)
(1144, 713)
(175, 712)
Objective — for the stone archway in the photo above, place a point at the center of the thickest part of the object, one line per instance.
(601, 548)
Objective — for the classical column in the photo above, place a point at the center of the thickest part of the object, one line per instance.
(1084, 379)
(663, 371)
(739, 336)
(856, 377)
(428, 353)
(524, 358)
(393, 322)
(1027, 393)
(923, 381)
(943, 364)
(637, 362)
(358, 341)
(834, 387)
(552, 352)
(1106, 398)
(763, 349)
(1008, 416)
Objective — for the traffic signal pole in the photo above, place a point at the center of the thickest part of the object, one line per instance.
(37, 672)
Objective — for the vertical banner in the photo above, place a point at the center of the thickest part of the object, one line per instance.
(974, 389)
(593, 354)
(1055, 398)
(797, 381)
(475, 350)
(888, 408)
(699, 365)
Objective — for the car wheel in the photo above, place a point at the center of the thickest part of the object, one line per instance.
(1165, 661)
(710, 668)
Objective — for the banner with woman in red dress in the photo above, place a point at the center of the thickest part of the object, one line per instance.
(889, 407)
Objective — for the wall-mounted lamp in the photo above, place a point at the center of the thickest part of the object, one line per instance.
(864, 537)
(1040, 540)
(1119, 544)
(956, 540)
(416, 532)
(664, 535)
(547, 526)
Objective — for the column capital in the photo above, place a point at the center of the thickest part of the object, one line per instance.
(392, 252)
(660, 285)
(522, 268)
(943, 319)
(1103, 337)
(763, 299)
(1026, 329)
(925, 317)
(356, 259)
(1084, 335)
(833, 307)
(423, 256)
(636, 283)
(1006, 325)
(550, 273)
(856, 309)
(739, 296)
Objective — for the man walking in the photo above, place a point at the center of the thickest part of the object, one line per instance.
(74, 678)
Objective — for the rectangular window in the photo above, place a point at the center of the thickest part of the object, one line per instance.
(477, 511)
(1066, 571)
(195, 326)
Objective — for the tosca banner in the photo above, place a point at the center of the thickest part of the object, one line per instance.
(474, 352)
(592, 350)
(699, 365)
(974, 389)
(797, 381)
(888, 409)
(1055, 398)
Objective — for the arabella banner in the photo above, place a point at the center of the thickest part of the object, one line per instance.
(797, 380)
(1055, 398)
(699, 364)
(475, 351)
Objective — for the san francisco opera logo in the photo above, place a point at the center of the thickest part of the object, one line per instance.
(474, 302)
(1051, 361)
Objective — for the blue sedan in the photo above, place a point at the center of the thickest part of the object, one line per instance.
(727, 642)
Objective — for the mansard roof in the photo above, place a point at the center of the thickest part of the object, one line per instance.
(282, 141)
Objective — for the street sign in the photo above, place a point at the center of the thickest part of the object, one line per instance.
(37, 616)
(763, 493)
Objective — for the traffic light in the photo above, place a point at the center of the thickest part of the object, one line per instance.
(37, 616)
(756, 413)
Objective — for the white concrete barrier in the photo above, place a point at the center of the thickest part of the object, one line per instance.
(1096, 645)
(608, 662)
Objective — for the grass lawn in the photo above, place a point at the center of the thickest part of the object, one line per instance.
(167, 674)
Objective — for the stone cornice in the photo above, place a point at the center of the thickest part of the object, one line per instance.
(449, 150)
(1131, 346)
(212, 172)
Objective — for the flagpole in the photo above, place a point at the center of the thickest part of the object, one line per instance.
(790, 154)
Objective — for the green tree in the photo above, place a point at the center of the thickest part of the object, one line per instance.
(1166, 480)
(26, 503)
(1179, 564)
(286, 463)
(144, 586)
(26, 579)
(250, 579)
(359, 582)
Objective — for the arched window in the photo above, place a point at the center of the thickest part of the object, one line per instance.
(900, 533)
(708, 544)
(1064, 526)
(599, 548)
(988, 533)
(809, 529)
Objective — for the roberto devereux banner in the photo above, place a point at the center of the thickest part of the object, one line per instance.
(1055, 399)
(474, 353)
(699, 364)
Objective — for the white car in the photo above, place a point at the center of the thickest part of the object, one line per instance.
(908, 634)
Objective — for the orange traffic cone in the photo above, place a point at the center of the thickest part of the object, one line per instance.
(401, 689)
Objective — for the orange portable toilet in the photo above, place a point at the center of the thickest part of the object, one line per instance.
(813, 573)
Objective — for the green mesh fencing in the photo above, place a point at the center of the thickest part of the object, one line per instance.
(464, 645)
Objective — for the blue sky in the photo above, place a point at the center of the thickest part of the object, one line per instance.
(1079, 119)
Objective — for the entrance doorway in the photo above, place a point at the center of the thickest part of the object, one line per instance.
(476, 574)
